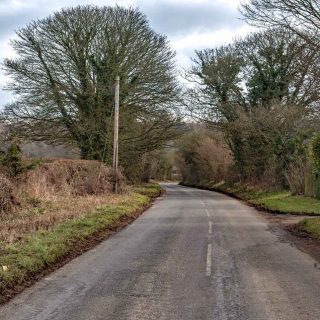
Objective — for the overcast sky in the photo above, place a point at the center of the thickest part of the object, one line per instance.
(189, 24)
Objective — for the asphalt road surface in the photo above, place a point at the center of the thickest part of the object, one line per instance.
(194, 255)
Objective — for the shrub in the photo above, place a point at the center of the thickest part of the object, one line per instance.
(12, 160)
(7, 195)
(315, 157)
(74, 177)
(315, 153)
(203, 157)
(296, 177)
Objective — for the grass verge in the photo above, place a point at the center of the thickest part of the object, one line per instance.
(277, 202)
(309, 227)
(24, 261)
(273, 201)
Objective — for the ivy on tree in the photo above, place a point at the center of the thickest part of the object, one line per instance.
(63, 78)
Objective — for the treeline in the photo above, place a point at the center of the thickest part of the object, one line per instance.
(261, 94)
(256, 100)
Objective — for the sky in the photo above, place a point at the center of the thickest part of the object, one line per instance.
(189, 24)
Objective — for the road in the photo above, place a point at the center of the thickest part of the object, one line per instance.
(194, 255)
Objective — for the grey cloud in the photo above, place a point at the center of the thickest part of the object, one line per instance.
(10, 23)
(177, 18)
(165, 17)
(11, 19)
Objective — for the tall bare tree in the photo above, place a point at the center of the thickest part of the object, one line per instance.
(248, 89)
(216, 75)
(273, 66)
(300, 16)
(279, 67)
(63, 79)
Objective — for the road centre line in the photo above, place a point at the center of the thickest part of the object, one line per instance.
(208, 268)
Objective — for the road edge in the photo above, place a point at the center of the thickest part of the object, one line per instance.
(258, 207)
(8, 292)
(301, 239)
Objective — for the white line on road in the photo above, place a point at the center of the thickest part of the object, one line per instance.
(210, 227)
(208, 270)
(207, 212)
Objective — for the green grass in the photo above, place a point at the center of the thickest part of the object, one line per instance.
(281, 201)
(311, 226)
(35, 252)
(292, 204)
(151, 189)
(278, 201)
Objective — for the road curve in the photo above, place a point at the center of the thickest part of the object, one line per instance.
(194, 255)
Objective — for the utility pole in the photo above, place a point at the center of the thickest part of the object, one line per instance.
(116, 135)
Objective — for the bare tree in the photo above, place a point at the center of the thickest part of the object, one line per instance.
(255, 89)
(64, 75)
(274, 66)
(202, 157)
(216, 74)
(300, 16)
(279, 67)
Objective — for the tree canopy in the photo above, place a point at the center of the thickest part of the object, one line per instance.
(262, 92)
(299, 16)
(63, 79)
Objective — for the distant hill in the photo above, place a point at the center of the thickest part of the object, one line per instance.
(40, 149)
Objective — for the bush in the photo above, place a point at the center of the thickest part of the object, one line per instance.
(296, 177)
(315, 153)
(203, 157)
(7, 195)
(12, 160)
(315, 157)
(74, 177)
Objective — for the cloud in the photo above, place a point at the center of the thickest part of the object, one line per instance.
(185, 46)
(17, 13)
(189, 24)
(183, 17)
(11, 22)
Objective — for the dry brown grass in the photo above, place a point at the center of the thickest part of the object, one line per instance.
(43, 215)
(55, 191)
(69, 177)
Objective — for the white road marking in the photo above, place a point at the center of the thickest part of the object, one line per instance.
(210, 227)
(207, 212)
(208, 269)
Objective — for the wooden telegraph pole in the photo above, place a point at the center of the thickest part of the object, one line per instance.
(116, 135)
